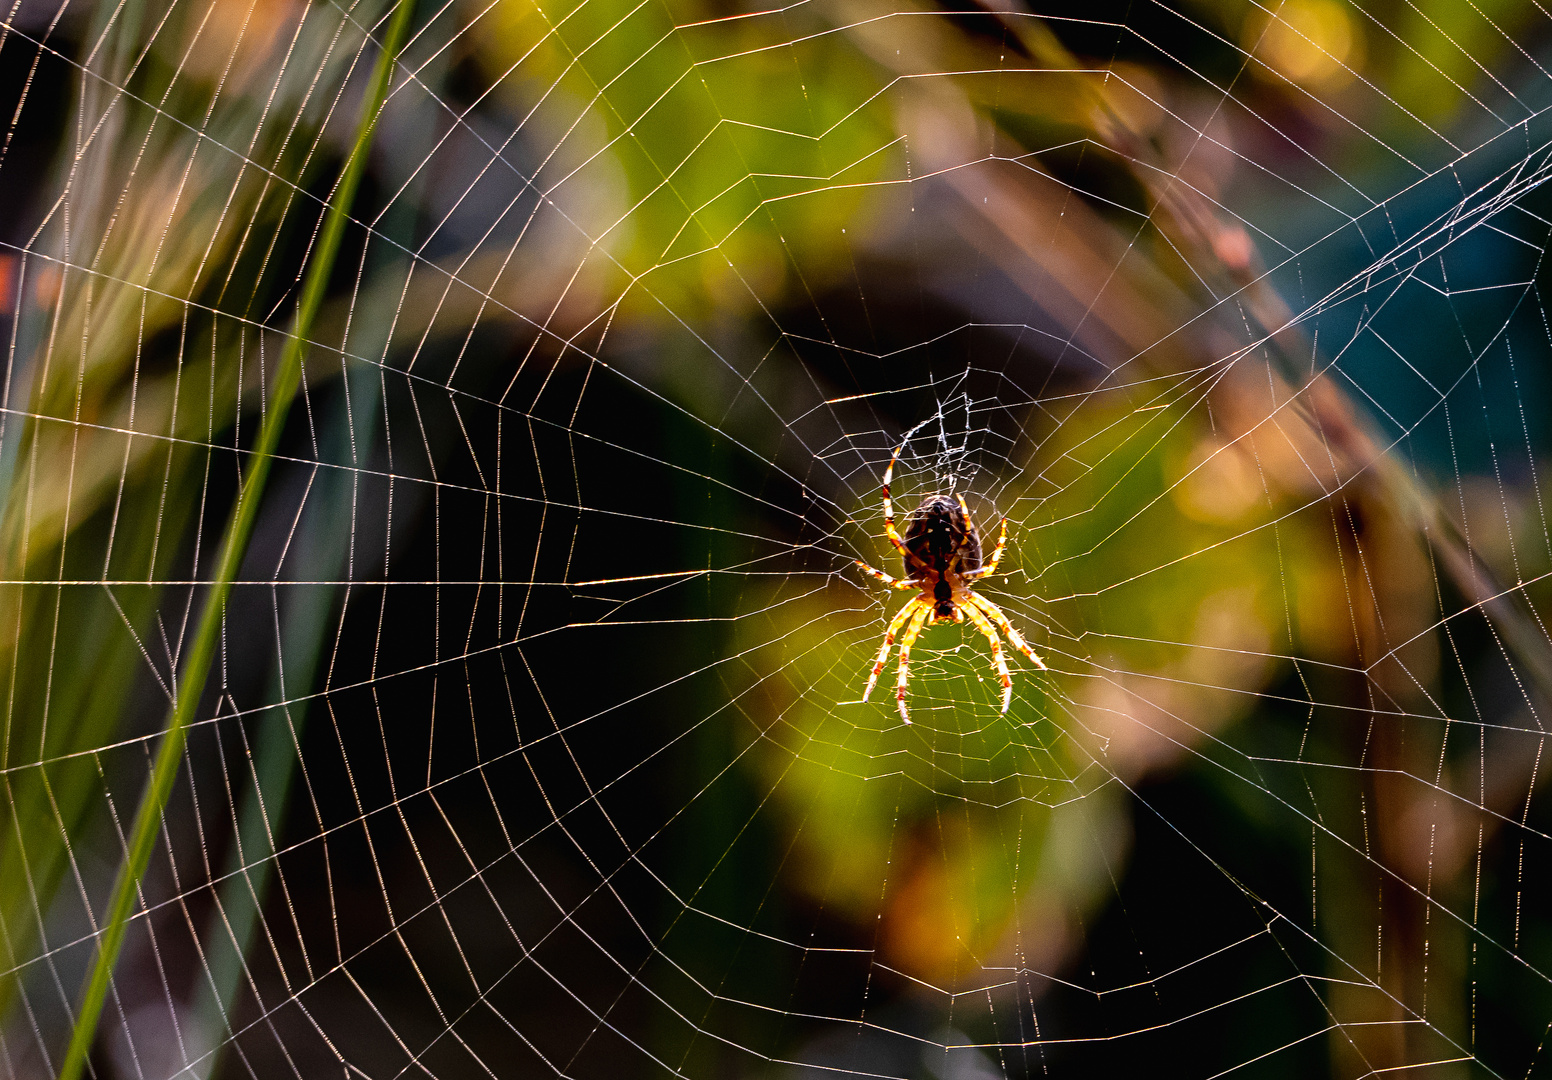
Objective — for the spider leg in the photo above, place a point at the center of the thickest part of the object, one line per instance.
(964, 541)
(906, 640)
(964, 508)
(1001, 664)
(991, 565)
(893, 583)
(889, 517)
(889, 639)
(993, 612)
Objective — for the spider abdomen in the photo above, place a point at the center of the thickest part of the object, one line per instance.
(938, 535)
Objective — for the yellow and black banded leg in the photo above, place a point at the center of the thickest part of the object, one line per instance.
(889, 639)
(994, 613)
(923, 610)
(990, 566)
(970, 534)
(893, 583)
(1001, 664)
(911, 558)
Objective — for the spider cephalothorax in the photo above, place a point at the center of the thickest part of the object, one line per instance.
(942, 553)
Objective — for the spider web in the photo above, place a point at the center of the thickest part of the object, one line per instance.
(536, 742)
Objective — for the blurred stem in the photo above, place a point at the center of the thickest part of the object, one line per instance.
(288, 376)
(261, 818)
(321, 550)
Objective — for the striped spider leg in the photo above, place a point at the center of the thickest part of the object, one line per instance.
(980, 622)
(991, 610)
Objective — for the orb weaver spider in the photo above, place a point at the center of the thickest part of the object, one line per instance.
(942, 553)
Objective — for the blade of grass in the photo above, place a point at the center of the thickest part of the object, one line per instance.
(288, 377)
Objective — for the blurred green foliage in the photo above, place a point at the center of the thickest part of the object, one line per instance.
(707, 191)
(151, 274)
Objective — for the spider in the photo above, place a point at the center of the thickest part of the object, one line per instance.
(942, 552)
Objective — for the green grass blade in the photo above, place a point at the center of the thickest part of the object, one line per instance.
(239, 528)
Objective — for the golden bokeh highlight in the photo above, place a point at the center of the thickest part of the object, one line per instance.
(1314, 43)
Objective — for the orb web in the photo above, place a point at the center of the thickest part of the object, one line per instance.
(536, 741)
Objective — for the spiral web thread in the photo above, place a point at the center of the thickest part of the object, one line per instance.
(536, 744)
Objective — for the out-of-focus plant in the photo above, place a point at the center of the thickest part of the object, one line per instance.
(1102, 190)
(1180, 549)
(151, 282)
(998, 831)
